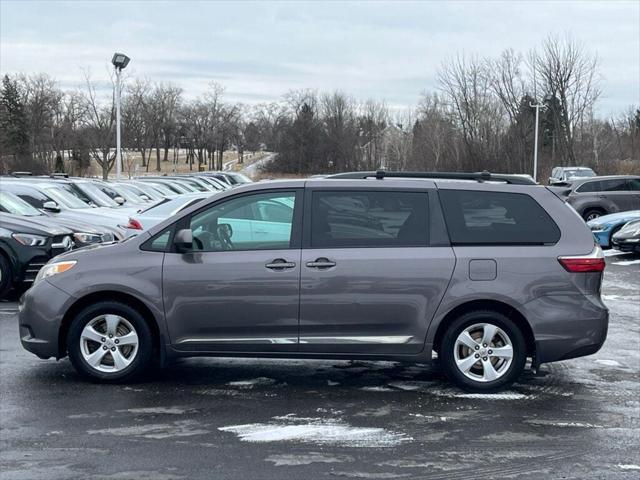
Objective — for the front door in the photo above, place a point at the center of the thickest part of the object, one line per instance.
(238, 290)
(370, 282)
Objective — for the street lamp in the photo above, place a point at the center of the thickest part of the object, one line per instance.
(119, 61)
(537, 106)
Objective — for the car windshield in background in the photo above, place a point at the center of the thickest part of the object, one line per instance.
(65, 198)
(579, 173)
(11, 203)
(98, 197)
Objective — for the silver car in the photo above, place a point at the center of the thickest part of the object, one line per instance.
(484, 270)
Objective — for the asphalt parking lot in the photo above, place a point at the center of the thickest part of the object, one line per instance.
(274, 419)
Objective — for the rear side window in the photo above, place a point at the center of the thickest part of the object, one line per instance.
(496, 218)
(634, 184)
(369, 219)
(616, 185)
(589, 187)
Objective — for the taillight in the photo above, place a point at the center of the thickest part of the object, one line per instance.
(594, 262)
(134, 224)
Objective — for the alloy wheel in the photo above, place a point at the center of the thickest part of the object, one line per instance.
(483, 352)
(109, 343)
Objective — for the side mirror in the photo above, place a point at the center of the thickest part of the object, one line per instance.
(119, 200)
(51, 206)
(183, 240)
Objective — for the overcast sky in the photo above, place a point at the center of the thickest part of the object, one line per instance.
(259, 51)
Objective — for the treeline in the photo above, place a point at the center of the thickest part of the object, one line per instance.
(479, 117)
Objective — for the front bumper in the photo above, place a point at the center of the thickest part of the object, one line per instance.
(603, 238)
(627, 245)
(567, 326)
(42, 308)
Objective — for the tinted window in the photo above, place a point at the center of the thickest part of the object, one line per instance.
(615, 185)
(495, 218)
(589, 187)
(244, 223)
(369, 219)
(634, 184)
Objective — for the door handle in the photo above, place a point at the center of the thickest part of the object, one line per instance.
(321, 263)
(280, 264)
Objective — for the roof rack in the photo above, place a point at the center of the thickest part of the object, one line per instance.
(22, 174)
(484, 176)
(59, 175)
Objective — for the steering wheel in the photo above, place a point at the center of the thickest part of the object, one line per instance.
(224, 235)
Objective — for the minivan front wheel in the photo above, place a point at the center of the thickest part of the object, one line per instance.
(110, 342)
(483, 351)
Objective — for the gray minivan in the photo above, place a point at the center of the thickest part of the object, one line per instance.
(485, 271)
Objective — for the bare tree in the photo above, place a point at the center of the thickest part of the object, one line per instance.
(568, 78)
(99, 122)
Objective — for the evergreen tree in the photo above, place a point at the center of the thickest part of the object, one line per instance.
(13, 124)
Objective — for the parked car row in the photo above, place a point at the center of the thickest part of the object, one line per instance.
(42, 216)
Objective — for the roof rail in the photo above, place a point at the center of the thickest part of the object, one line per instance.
(59, 175)
(22, 174)
(484, 176)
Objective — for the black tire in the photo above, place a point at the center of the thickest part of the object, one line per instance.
(6, 276)
(142, 359)
(447, 351)
(595, 212)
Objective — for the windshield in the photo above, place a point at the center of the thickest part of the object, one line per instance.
(63, 197)
(97, 196)
(580, 173)
(11, 203)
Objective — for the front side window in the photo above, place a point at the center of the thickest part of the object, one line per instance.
(252, 222)
(496, 218)
(369, 219)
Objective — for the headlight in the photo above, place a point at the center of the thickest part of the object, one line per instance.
(30, 240)
(51, 269)
(598, 228)
(87, 237)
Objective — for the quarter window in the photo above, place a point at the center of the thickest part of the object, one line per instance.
(251, 222)
(496, 218)
(589, 187)
(369, 219)
(616, 185)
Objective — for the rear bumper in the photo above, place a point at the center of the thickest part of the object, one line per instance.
(41, 312)
(567, 326)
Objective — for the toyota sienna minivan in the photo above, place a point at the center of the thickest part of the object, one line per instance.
(481, 271)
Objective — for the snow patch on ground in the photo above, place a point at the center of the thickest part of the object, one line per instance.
(378, 389)
(306, 459)
(316, 431)
(627, 262)
(629, 467)
(550, 423)
(609, 363)
(157, 431)
(156, 410)
(613, 253)
(252, 382)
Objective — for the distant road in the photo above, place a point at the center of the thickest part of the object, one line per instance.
(252, 170)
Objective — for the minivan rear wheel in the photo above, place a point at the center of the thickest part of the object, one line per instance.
(110, 342)
(483, 351)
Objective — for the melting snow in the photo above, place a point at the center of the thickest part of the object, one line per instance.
(316, 430)
(609, 363)
(629, 467)
(627, 262)
(252, 382)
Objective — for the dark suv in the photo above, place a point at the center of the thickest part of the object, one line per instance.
(597, 196)
(484, 270)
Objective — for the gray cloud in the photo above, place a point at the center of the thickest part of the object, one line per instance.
(261, 50)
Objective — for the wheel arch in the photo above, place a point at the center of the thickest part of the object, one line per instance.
(493, 305)
(112, 296)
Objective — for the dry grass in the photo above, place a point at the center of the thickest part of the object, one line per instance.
(132, 163)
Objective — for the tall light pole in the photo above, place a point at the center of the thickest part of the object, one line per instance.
(120, 61)
(537, 106)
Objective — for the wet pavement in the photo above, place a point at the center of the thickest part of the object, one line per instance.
(275, 419)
